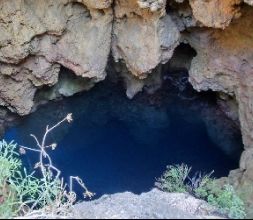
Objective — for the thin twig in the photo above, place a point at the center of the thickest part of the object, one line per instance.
(50, 174)
(30, 149)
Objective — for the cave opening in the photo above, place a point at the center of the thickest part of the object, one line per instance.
(116, 144)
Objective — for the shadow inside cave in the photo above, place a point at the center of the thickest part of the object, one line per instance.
(116, 144)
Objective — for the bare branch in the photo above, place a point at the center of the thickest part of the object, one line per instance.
(57, 205)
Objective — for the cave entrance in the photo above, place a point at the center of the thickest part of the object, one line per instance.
(117, 145)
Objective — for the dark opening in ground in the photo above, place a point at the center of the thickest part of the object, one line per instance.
(117, 145)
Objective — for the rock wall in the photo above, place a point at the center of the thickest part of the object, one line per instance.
(143, 38)
(38, 37)
(224, 63)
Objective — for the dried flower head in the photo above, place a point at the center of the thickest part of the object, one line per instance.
(22, 151)
(53, 146)
(88, 194)
(69, 118)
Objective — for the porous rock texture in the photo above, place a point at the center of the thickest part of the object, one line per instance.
(215, 13)
(151, 205)
(224, 63)
(143, 38)
(38, 37)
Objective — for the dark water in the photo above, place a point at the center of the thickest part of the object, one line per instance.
(118, 145)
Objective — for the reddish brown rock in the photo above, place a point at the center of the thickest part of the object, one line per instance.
(143, 38)
(39, 36)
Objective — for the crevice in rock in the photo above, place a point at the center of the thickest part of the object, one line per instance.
(82, 9)
(181, 59)
(181, 13)
(229, 105)
(68, 85)
(172, 6)
(101, 12)
(119, 73)
(219, 110)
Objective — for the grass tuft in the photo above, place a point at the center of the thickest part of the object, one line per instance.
(177, 179)
(23, 194)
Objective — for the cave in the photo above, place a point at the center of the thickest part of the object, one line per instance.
(116, 144)
(150, 84)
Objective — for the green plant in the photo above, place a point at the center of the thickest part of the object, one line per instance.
(24, 194)
(173, 179)
(227, 201)
(10, 164)
(203, 187)
(222, 197)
